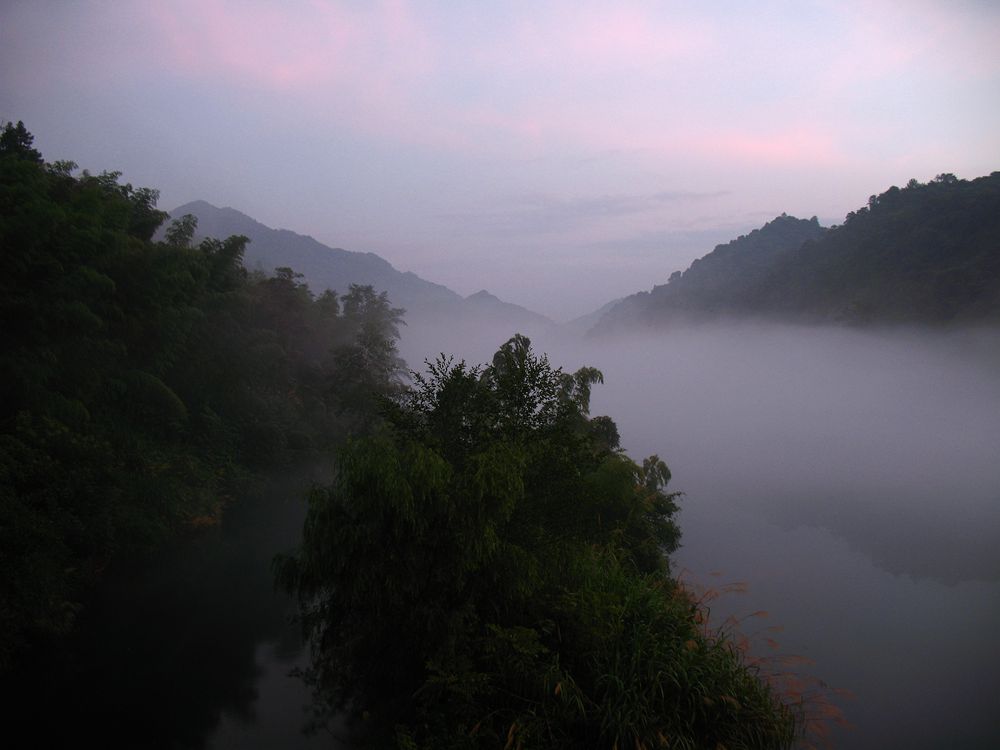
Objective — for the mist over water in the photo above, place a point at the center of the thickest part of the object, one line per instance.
(888, 440)
(850, 478)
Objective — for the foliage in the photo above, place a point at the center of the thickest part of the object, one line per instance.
(925, 254)
(490, 570)
(139, 378)
(16, 142)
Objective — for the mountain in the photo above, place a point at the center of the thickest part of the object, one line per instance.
(482, 304)
(927, 254)
(435, 315)
(322, 267)
(579, 326)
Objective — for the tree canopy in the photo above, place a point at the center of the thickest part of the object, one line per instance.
(926, 254)
(491, 570)
(140, 379)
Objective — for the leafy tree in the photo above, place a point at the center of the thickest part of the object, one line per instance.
(15, 140)
(140, 380)
(367, 364)
(490, 569)
(181, 231)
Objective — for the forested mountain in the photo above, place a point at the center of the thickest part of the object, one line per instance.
(322, 267)
(927, 253)
(325, 267)
(140, 379)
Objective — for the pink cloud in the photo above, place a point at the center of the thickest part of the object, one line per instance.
(888, 39)
(792, 146)
(573, 37)
(376, 68)
(288, 48)
(632, 37)
(571, 75)
(541, 126)
(362, 66)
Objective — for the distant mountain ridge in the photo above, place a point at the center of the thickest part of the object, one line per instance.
(325, 267)
(580, 325)
(484, 303)
(926, 253)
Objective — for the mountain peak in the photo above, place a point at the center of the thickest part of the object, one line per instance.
(489, 304)
(482, 294)
(200, 207)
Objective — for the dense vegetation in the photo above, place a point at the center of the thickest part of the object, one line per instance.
(322, 267)
(138, 379)
(326, 267)
(490, 570)
(927, 254)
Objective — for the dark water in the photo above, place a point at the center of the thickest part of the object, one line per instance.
(191, 648)
(851, 483)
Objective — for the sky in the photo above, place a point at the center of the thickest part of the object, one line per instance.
(558, 154)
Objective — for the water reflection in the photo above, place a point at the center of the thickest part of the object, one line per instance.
(190, 649)
(919, 655)
(280, 697)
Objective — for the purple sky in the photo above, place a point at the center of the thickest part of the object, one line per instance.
(558, 154)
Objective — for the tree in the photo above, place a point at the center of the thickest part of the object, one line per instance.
(366, 363)
(491, 569)
(181, 231)
(16, 141)
(139, 379)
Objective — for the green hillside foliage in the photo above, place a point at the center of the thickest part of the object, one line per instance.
(138, 379)
(491, 570)
(923, 254)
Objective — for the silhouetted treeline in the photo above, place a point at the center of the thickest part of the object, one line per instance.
(926, 254)
(138, 379)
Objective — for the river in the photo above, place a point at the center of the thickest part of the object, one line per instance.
(190, 647)
(851, 483)
(848, 482)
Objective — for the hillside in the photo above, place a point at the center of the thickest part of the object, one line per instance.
(435, 315)
(322, 267)
(579, 326)
(927, 253)
(486, 305)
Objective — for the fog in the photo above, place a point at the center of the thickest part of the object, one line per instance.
(850, 478)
